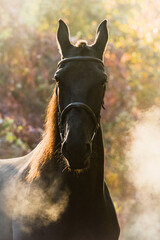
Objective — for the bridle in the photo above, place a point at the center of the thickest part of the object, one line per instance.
(62, 114)
(80, 58)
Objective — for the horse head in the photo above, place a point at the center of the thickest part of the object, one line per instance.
(80, 87)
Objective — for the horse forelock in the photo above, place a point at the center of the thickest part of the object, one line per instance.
(81, 43)
(44, 152)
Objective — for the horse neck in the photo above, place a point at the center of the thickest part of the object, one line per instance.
(98, 161)
(45, 162)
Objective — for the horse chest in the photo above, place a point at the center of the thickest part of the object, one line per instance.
(83, 223)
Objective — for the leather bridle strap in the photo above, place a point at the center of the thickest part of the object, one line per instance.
(79, 58)
(79, 105)
(61, 115)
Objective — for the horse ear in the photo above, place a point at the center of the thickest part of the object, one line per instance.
(63, 38)
(101, 39)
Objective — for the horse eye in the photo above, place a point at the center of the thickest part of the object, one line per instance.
(56, 78)
(104, 81)
(58, 75)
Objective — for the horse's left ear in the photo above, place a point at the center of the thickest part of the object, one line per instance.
(101, 39)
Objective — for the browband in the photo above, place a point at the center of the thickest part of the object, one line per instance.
(79, 58)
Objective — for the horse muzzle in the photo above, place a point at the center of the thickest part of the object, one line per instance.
(77, 154)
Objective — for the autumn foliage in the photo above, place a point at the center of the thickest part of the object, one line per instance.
(28, 59)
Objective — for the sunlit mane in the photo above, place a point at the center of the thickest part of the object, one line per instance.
(45, 150)
(81, 43)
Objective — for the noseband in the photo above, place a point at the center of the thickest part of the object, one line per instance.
(61, 115)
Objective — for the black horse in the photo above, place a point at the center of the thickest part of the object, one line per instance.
(58, 190)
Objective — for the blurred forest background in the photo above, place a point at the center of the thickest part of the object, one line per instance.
(28, 60)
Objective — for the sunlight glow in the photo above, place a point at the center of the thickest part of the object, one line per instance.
(144, 174)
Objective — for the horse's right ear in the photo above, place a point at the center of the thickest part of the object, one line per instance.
(63, 38)
(101, 39)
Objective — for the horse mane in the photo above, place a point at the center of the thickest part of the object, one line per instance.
(83, 47)
(44, 152)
